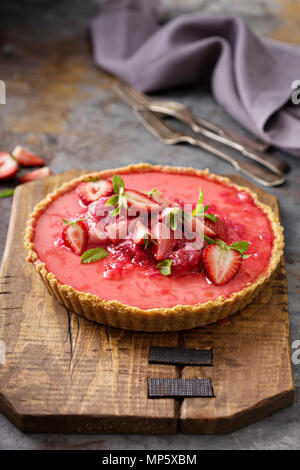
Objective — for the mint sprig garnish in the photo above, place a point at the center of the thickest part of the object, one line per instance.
(7, 193)
(165, 267)
(200, 209)
(93, 255)
(73, 222)
(241, 246)
(148, 239)
(119, 199)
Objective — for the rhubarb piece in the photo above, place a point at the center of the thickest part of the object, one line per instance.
(36, 174)
(26, 158)
(91, 191)
(8, 166)
(75, 236)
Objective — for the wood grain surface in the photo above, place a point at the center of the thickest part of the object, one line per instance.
(66, 374)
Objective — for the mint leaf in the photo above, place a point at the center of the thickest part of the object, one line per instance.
(112, 201)
(208, 240)
(94, 254)
(7, 193)
(165, 267)
(152, 192)
(147, 240)
(241, 247)
(174, 216)
(211, 217)
(119, 199)
(73, 222)
(118, 184)
(200, 209)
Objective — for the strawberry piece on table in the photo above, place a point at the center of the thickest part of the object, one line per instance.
(165, 242)
(140, 233)
(25, 158)
(75, 236)
(140, 201)
(8, 166)
(221, 263)
(36, 174)
(91, 191)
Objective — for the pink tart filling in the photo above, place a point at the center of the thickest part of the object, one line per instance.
(129, 273)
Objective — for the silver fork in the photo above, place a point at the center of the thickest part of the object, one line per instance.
(244, 145)
(169, 136)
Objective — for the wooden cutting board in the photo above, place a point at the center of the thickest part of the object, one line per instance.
(66, 374)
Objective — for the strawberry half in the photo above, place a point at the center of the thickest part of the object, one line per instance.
(140, 233)
(140, 201)
(165, 242)
(8, 166)
(92, 190)
(36, 174)
(221, 263)
(25, 158)
(75, 236)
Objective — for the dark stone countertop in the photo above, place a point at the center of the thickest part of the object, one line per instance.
(61, 107)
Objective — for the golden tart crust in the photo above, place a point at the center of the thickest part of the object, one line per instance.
(180, 317)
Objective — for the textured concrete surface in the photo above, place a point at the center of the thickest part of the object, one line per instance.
(60, 106)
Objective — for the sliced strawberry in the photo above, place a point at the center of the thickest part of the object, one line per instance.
(25, 158)
(194, 225)
(218, 227)
(118, 230)
(158, 197)
(140, 201)
(140, 233)
(8, 166)
(36, 174)
(90, 191)
(165, 242)
(96, 233)
(221, 264)
(75, 236)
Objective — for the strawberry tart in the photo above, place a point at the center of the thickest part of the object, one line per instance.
(154, 248)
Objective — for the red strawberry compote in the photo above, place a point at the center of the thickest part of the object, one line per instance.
(129, 272)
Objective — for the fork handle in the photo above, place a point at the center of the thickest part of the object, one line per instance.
(258, 173)
(270, 161)
(243, 140)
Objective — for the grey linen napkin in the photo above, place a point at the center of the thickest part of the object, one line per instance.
(250, 77)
